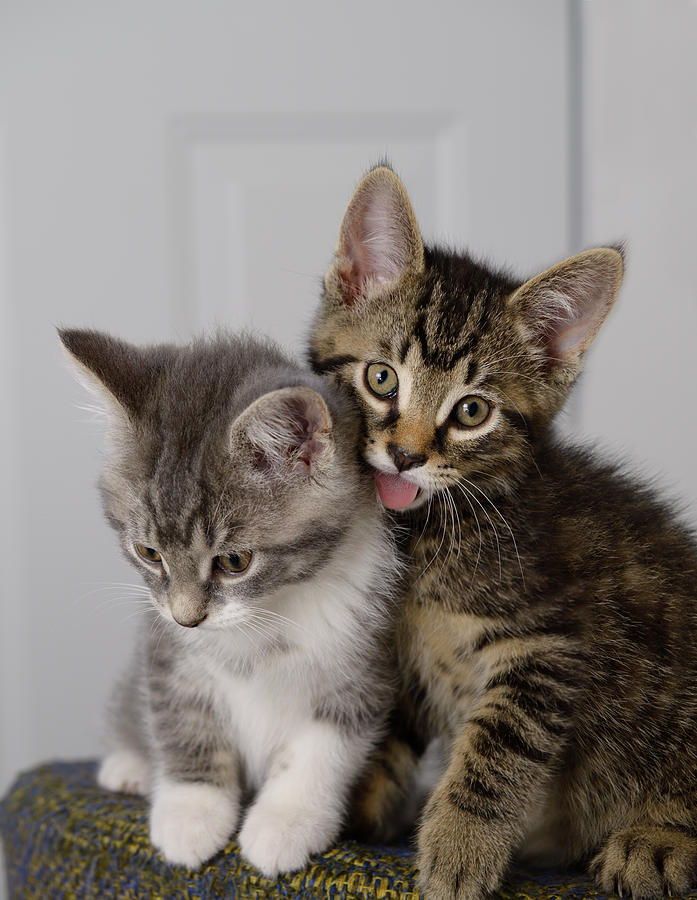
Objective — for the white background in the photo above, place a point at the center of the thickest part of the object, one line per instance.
(166, 166)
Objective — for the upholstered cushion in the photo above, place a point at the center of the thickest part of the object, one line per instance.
(66, 838)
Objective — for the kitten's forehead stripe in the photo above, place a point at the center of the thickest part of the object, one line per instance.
(334, 363)
(420, 335)
(174, 523)
(404, 350)
(439, 334)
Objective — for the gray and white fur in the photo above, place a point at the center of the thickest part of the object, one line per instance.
(273, 680)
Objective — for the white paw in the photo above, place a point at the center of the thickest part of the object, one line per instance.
(281, 838)
(125, 771)
(190, 823)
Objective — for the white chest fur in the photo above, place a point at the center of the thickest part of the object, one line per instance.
(263, 712)
(314, 644)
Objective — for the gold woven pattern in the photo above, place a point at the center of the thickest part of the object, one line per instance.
(65, 837)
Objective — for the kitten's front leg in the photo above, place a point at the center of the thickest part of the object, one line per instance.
(500, 766)
(196, 797)
(190, 823)
(300, 809)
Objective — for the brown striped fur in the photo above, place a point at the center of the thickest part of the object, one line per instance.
(549, 617)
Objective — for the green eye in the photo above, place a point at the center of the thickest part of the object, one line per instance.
(381, 379)
(148, 554)
(471, 411)
(233, 563)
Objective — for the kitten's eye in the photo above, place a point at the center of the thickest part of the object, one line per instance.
(381, 379)
(233, 563)
(471, 411)
(148, 554)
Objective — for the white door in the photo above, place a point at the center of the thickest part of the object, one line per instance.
(168, 165)
(639, 183)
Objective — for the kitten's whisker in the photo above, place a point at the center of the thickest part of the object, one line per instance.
(119, 601)
(428, 513)
(435, 555)
(120, 604)
(451, 512)
(241, 626)
(459, 523)
(505, 522)
(278, 617)
(479, 529)
(255, 625)
(513, 403)
(527, 441)
(449, 508)
(519, 375)
(106, 585)
(132, 615)
(444, 514)
(501, 359)
(468, 494)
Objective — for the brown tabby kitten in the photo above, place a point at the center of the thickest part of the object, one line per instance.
(548, 630)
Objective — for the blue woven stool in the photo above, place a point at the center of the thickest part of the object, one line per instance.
(66, 838)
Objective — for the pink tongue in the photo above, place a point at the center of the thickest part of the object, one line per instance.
(394, 491)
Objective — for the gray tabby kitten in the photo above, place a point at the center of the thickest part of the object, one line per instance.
(235, 487)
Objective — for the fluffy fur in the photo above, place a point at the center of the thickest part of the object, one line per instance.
(273, 680)
(547, 633)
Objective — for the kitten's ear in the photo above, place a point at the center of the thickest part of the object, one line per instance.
(562, 309)
(114, 371)
(379, 239)
(290, 431)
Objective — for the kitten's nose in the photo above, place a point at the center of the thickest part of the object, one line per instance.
(187, 609)
(403, 459)
(189, 622)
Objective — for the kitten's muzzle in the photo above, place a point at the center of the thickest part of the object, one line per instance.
(404, 459)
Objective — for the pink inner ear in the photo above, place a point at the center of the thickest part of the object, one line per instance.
(303, 426)
(307, 451)
(378, 235)
(291, 432)
(567, 319)
(373, 241)
(568, 307)
(571, 337)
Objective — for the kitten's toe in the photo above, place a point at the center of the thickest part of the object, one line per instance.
(279, 838)
(647, 862)
(190, 823)
(458, 859)
(125, 771)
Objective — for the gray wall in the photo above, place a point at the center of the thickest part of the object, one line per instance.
(639, 145)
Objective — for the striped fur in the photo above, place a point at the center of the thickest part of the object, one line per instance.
(547, 631)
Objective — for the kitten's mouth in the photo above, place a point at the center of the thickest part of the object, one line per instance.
(394, 491)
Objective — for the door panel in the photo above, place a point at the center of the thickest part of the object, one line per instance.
(248, 183)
